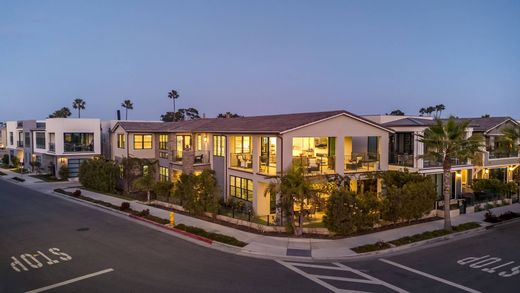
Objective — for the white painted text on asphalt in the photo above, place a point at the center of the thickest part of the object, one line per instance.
(491, 265)
(28, 261)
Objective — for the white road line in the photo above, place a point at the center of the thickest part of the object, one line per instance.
(377, 281)
(70, 281)
(346, 279)
(430, 276)
(299, 264)
(310, 277)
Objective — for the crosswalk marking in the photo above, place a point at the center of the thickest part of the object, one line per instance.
(320, 279)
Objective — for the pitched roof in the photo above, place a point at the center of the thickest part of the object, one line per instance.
(409, 122)
(486, 124)
(254, 124)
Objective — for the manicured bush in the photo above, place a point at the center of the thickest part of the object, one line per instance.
(5, 159)
(99, 174)
(125, 206)
(64, 172)
(371, 247)
(198, 193)
(210, 235)
(19, 179)
(76, 192)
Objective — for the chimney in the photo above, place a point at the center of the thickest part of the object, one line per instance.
(118, 114)
(203, 115)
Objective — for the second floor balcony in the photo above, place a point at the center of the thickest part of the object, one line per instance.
(439, 163)
(362, 162)
(316, 165)
(52, 147)
(19, 144)
(501, 154)
(241, 161)
(406, 160)
(267, 165)
(76, 147)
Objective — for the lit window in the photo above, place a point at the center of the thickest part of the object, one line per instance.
(241, 188)
(219, 145)
(163, 141)
(142, 141)
(163, 174)
(242, 144)
(121, 141)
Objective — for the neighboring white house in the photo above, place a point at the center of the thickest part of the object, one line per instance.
(66, 142)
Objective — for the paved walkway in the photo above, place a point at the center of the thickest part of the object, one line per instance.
(269, 246)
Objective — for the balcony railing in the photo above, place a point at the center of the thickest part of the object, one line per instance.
(362, 162)
(19, 144)
(52, 147)
(435, 164)
(243, 160)
(201, 157)
(494, 154)
(267, 165)
(317, 164)
(72, 147)
(406, 160)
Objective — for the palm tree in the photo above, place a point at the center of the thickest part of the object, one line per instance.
(294, 189)
(173, 95)
(430, 110)
(443, 142)
(80, 105)
(438, 110)
(128, 105)
(422, 111)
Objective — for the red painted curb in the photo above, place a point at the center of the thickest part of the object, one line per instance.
(194, 236)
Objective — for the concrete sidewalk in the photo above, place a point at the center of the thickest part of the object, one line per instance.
(276, 247)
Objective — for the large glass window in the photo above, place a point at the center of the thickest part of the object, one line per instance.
(78, 142)
(242, 144)
(27, 139)
(142, 141)
(11, 138)
(241, 188)
(182, 142)
(163, 141)
(121, 141)
(163, 174)
(219, 145)
(52, 144)
(40, 140)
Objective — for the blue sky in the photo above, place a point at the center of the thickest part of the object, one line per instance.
(259, 57)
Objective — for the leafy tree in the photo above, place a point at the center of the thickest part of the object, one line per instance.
(181, 115)
(174, 95)
(348, 212)
(443, 142)
(163, 189)
(493, 186)
(128, 105)
(510, 142)
(198, 193)
(79, 104)
(15, 161)
(397, 113)
(228, 115)
(294, 189)
(61, 113)
(409, 202)
(146, 183)
(132, 168)
(99, 174)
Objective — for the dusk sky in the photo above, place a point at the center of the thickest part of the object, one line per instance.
(259, 57)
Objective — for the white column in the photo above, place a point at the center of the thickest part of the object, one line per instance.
(340, 155)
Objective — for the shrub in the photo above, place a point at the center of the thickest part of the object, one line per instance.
(125, 206)
(198, 193)
(64, 172)
(15, 162)
(5, 159)
(144, 213)
(76, 193)
(210, 235)
(490, 217)
(99, 174)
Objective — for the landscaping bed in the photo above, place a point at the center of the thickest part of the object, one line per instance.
(414, 238)
(125, 206)
(47, 178)
(492, 218)
(2, 173)
(18, 179)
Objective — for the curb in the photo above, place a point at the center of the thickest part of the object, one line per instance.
(193, 236)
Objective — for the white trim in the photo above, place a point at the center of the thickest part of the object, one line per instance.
(366, 121)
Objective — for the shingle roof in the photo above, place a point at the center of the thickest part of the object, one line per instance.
(253, 124)
(485, 124)
(409, 122)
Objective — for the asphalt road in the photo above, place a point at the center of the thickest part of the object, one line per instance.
(102, 252)
(142, 259)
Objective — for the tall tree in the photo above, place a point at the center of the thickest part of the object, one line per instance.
(181, 115)
(397, 113)
(128, 105)
(422, 111)
(444, 141)
(79, 104)
(511, 142)
(438, 110)
(430, 110)
(228, 115)
(174, 95)
(61, 113)
(294, 189)
(485, 116)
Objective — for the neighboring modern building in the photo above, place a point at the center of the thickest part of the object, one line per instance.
(247, 153)
(19, 141)
(3, 139)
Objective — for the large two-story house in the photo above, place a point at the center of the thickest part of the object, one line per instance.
(247, 153)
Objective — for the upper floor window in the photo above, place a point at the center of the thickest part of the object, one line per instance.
(27, 139)
(163, 141)
(121, 141)
(242, 144)
(40, 140)
(219, 145)
(142, 141)
(11, 138)
(78, 142)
